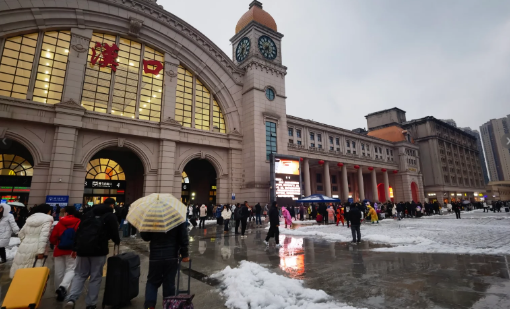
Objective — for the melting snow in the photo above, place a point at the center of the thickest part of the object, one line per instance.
(251, 286)
(476, 233)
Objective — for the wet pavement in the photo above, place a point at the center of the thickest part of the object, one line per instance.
(352, 274)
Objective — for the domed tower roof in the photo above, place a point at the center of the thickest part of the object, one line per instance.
(257, 14)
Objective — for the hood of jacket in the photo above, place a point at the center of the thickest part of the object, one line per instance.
(7, 210)
(37, 219)
(101, 209)
(69, 221)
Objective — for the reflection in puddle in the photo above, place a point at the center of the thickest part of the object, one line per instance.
(292, 257)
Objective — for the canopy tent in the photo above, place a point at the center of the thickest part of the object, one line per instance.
(318, 198)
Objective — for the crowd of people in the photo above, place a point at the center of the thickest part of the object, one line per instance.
(80, 243)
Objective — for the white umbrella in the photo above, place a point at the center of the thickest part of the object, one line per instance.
(17, 204)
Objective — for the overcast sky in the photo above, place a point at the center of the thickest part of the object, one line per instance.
(348, 58)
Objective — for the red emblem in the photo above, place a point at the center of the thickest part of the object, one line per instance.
(157, 66)
(109, 53)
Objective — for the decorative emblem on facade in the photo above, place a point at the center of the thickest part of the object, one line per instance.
(79, 44)
(171, 74)
(121, 142)
(135, 25)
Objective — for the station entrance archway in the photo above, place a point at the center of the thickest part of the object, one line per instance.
(199, 183)
(16, 171)
(114, 172)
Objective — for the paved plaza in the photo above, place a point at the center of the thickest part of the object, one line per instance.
(230, 272)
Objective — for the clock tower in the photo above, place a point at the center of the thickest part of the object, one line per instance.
(257, 49)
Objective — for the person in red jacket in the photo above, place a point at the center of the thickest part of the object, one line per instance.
(64, 262)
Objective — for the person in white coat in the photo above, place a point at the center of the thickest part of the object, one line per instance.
(226, 214)
(203, 216)
(34, 238)
(7, 227)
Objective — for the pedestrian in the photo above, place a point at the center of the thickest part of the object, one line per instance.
(203, 216)
(226, 214)
(302, 212)
(258, 210)
(394, 211)
(57, 212)
(34, 238)
(313, 212)
(287, 217)
(8, 226)
(63, 237)
(400, 210)
(96, 228)
(237, 217)
(245, 212)
(266, 209)
(165, 250)
(456, 209)
(331, 214)
(219, 218)
(340, 215)
(347, 217)
(356, 217)
(274, 224)
(373, 215)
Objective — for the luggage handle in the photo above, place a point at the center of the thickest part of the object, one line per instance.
(44, 260)
(179, 291)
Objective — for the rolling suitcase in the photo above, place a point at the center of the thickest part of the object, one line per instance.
(27, 288)
(183, 298)
(122, 279)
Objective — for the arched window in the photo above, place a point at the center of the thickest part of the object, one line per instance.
(195, 106)
(135, 92)
(13, 165)
(105, 169)
(18, 59)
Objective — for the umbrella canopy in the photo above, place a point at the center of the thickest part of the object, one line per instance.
(17, 204)
(157, 213)
(465, 202)
(318, 198)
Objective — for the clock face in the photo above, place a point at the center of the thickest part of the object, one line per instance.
(267, 47)
(243, 49)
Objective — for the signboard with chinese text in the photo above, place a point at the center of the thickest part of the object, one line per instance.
(61, 200)
(105, 184)
(286, 179)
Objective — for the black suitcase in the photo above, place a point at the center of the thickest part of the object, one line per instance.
(122, 279)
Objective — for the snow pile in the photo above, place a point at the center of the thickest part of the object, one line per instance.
(476, 233)
(251, 286)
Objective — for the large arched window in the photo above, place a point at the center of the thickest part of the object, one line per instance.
(105, 169)
(13, 165)
(195, 106)
(18, 60)
(132, 90)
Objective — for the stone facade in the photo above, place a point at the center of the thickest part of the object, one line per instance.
(496, 142)
(63, 138)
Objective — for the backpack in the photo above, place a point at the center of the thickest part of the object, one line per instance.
(66, 241)
(91, 233)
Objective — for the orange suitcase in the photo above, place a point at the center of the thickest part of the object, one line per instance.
(27, 288)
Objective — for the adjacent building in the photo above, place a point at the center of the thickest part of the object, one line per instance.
(448, 156)
(496, 142)
(481, 154)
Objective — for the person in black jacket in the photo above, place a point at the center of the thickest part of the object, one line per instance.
(91, 256)
(165, 249)
(456, 208)
(274, 223)
(245, 213)
(356, 216)
(237, 217)
(324, 212)
(258, 211)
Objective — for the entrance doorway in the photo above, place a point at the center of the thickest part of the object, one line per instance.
(199, 183)
(16, 171)
(414, 192)
(113, 173)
